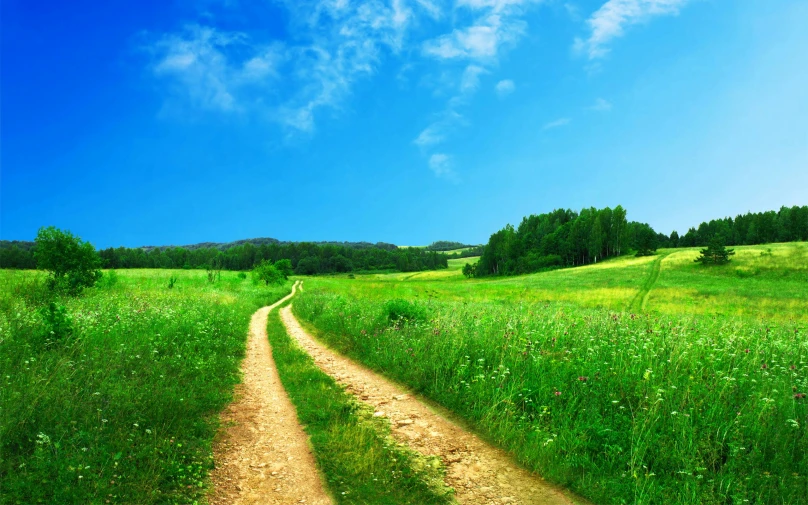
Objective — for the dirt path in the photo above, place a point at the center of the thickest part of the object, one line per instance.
(264, 455)
(479, 473)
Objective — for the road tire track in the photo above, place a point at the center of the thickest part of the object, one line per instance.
(479, 473)
(640, 300)
(263, 455)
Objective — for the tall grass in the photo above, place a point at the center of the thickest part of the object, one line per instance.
(622, 408)
(121, 406)
(359, 459)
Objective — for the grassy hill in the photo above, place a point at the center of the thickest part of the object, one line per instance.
(765, 281)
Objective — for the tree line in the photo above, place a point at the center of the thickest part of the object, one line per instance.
(567, 238)
(306, 258)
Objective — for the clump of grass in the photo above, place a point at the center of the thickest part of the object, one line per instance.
(358, 457)
(121, 403)
(622, 408)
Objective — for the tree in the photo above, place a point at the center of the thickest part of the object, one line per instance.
(72, 264)
(469, 270)
(285, 267)
(266, 272)
(645, 240)
(716, 253)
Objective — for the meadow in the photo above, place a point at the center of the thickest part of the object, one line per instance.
(635, 380)
(114, 396)
(632, 380)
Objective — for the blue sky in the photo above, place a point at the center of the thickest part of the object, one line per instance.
(405, 121)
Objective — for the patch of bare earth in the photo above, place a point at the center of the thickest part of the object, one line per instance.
(263, 455)
(479, 473)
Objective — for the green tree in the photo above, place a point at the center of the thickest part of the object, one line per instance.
(645, 240)
(716, 253)
(469, 270)
(285, 267)
(266, 272)
(72, 264)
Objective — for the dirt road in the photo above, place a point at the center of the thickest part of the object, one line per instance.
(479, 473)
(264, 455)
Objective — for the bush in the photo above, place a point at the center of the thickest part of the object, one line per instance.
(242, 275)
(403, 311)
(267, 273)
(58, 325)
(109, 279)
(72, 264)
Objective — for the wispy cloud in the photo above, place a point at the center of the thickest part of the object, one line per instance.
(610, 20)
(601, 105)
(505, 87)
(558, 123)
(336, 44)
(442, 165)
(196, 60)
(229, 71)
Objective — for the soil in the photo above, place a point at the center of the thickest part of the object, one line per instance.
(263, 455)
(478, 472)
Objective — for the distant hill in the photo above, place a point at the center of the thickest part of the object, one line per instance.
(223, 246)
(26, 245)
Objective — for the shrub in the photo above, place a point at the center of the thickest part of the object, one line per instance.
(72, 264)
(58, 325)
(109, 279)
(403, 311)
(267, 273)
(285, 267)
(172, 280)
(242, 275)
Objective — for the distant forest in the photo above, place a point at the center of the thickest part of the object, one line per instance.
(555, 239)
(445, 245)
(306, 257)
(567, 238)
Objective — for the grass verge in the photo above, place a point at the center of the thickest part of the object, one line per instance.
(358, 457)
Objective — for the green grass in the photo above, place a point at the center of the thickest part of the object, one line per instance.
(125, 408)
(766, 281)
(358, 457)
(676, 383)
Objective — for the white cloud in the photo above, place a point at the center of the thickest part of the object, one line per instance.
(601, 105)
(334, 45)
(505, 87)
(442, 166)
(471, 78)
(481, 41)
(197, 61)
(439, 130)
(558, 123)
(340, 43)
(610, 20)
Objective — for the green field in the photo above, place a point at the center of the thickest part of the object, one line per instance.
(636, 380)
(119, 402)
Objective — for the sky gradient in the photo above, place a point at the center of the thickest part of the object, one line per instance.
(404, 121)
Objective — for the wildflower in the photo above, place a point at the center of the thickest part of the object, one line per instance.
(557, 393)
(583, 379)
(764, 366)
(798, 396)
(746, 351)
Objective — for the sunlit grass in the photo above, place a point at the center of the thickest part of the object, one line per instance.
(359, 459)
(623, 408)
(124, 409)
